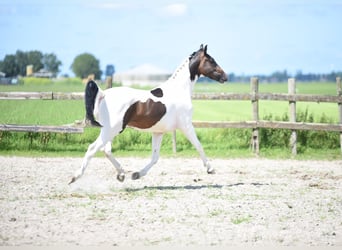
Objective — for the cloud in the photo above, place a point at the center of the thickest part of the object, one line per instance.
(177, 9)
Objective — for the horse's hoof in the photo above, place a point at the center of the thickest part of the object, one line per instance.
(211, 171)
(120, 177)
(72, 180)
(135, 176)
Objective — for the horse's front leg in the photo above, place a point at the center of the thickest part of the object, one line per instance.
(190, 133)
(92, 149)
(156, 143)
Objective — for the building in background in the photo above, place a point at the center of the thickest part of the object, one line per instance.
(142, 75)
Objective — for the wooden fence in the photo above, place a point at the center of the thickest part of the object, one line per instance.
(40, 128)
(42, 96)
(255, 124)
(292, 97)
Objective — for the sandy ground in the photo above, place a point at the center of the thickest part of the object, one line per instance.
(247, 202)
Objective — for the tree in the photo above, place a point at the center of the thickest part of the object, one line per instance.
(14, 65)
(51, 63)
(9, 66)
(280, 76)
(35, 58)
(22, 62)
(86, 64)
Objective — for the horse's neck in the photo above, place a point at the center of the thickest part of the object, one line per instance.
(180, 79)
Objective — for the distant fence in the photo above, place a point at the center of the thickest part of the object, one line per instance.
(41, 95)
(255, 124)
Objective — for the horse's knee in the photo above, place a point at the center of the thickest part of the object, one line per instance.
(107, 149)
(94, 147)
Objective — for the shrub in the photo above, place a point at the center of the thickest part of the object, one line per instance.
(270, 138)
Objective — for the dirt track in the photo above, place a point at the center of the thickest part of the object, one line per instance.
(248, 202)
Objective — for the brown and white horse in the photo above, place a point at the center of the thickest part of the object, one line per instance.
(165, 108)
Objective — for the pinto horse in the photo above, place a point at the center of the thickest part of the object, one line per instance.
(165, 108)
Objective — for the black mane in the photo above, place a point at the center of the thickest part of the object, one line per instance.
(193, 64)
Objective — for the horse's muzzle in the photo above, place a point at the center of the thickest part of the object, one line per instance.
(223, 78)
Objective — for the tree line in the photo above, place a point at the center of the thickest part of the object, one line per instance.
(283, 76)
(14, 65)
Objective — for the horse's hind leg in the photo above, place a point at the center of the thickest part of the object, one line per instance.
(116, 164)
(92, 149)
(156, 143)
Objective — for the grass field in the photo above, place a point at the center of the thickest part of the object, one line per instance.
(64, 112)
(46, 112)
(76, 85)
(217, 142)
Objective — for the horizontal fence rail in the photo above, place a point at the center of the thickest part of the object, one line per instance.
(268, 97)
(270, 124)
(40, 128)
(41, 95)
(196, 96)
(254, 96)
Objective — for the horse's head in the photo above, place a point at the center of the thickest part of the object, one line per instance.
(201, 63)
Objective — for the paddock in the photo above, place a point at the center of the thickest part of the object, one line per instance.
(248, 202)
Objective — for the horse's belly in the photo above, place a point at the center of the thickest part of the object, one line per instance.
(161, 126)
(144, 114)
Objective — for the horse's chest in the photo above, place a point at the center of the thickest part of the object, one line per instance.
(144, 115)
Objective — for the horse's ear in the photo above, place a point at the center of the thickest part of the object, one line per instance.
(201, 47)
(205, 49)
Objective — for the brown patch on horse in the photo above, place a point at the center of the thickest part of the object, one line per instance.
(144, 114)
(158, 92)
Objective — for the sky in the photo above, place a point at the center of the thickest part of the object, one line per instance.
(244, 36)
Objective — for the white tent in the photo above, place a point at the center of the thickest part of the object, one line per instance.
(143, 75)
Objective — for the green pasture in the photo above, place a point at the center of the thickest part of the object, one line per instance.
(76, 85)
(217, 142)
(64, 112)
(47, 112)
(319, 88)
(44, 84)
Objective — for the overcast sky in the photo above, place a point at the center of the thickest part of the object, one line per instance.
(244, 36)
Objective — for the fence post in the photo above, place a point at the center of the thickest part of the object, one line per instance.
(339, 93)
(255, 113)
(292, 109)
(109, 82)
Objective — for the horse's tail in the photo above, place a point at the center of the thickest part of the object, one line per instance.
(92, 96)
